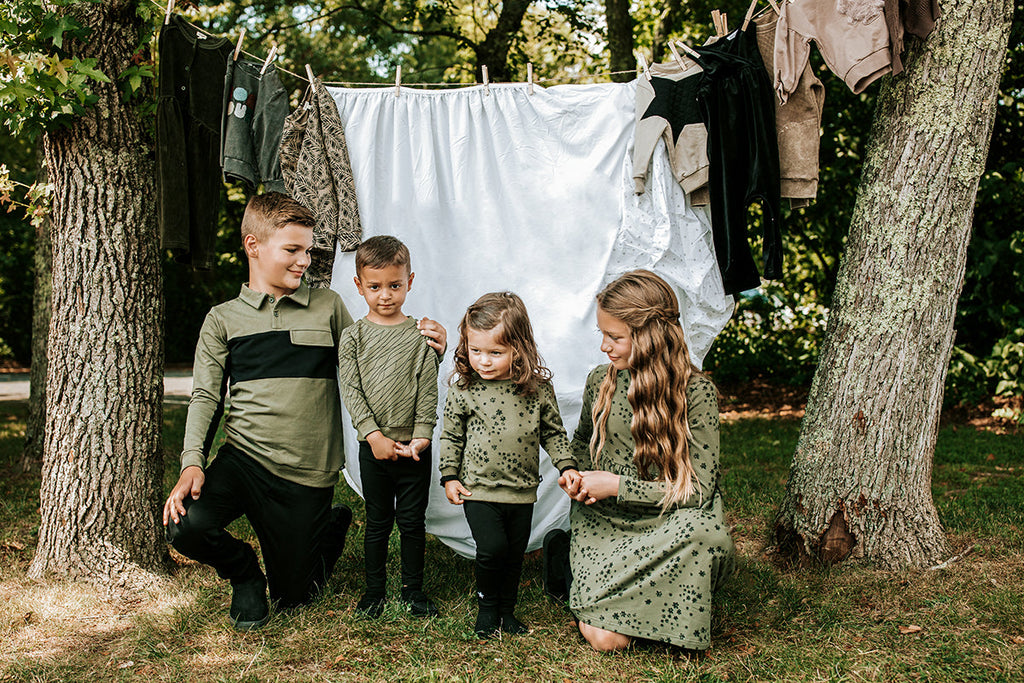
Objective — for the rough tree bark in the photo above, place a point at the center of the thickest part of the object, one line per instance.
(493, 50)
(620, 39)
(35, 430)
(860, 483)
(102, 460)
(667, 23)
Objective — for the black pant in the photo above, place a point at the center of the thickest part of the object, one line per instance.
(394, 491)
(501, 532)
(737, 104)
(289, 519)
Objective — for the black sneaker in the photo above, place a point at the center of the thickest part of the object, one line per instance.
(512, 626)
(334, 537)
(249, 608)
(371, 606)
(557, 576)
(487, 622)
(418, 604)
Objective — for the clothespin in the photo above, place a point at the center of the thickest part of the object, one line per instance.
(725, 23)
(167, 14)
(270, 58)
(687, 49)
(643, 64)
(775, 6)
(238, 45)
(716, 19)
(309, 74)
(675, 55)
(487, 86)
(749, 15)
(398, 80)
(529, 76)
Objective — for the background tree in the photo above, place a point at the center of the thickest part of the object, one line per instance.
(74, 67)
(860, 484)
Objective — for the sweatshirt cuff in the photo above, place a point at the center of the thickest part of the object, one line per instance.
(192, 459)
(423, 431)
(639, 186)
(366, 427)
(447, 478)
(567, 464)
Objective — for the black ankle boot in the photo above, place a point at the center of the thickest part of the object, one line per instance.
(249, 608)
(511, 625)
(487, 619)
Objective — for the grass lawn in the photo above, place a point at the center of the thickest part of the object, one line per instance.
(852, 623)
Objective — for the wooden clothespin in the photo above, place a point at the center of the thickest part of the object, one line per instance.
(716, 19)
(675, 55)
(167, 14)
(749, 15)
(487, 86)
(398, 80)
(309, 74)
(775, 6)
(687, 49)
(270, 58)
(725, 23)
(238, 45)
(529, 76)
(643, 64)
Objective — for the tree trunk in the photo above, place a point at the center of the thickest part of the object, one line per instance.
(493, 51)
(35, 430)
(620, 39)
(860, 483)
(667, 23)
(101, 489)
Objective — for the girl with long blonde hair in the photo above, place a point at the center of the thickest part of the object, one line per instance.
(648, 540)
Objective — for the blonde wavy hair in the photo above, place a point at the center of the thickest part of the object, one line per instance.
(661, 370)
(509, 311)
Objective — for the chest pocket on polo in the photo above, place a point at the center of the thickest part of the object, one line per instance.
(312, 338)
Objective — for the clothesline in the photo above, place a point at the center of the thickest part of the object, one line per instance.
(391, 85)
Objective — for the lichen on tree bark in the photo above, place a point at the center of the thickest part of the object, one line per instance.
(860, 483)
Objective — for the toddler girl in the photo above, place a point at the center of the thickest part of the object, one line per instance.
(501, 408)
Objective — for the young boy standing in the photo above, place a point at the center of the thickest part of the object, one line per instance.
(389, 383)
(273, 349)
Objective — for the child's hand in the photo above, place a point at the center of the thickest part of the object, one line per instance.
(570, 481)
(414, 448)
(190, 483)
(455, 491)
(437, 336)
(383, 448)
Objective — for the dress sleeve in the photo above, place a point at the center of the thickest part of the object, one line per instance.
(426, 394)
(552, 431)
(703, 421)
(792, 50)
(453, 435)
(585, 427)
(209, 386)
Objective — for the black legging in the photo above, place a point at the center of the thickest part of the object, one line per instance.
(501, 532)
(736, 102)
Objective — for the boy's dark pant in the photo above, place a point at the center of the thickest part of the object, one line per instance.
(289, 519)
(394, 491)
(501, 532)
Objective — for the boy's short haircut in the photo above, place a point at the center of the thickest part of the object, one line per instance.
(380, 252)
(271, 211)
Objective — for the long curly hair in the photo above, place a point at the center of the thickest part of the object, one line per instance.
(507, 310)
(661, 369)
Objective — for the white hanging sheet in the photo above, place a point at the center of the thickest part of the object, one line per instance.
(496, 189)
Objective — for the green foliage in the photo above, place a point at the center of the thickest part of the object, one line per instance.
(41, 84)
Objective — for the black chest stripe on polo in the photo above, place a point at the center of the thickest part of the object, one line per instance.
(267, 355)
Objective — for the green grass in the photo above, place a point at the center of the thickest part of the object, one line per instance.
(824, 624)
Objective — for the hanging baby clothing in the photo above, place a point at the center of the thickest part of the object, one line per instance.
(188, 119)
(255, 108)
(850, 34)
(797, 122)
(916, 17)
(666, 108)
(317, 174)
(736, 102)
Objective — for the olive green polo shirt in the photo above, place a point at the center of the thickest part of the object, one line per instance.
(277, 361)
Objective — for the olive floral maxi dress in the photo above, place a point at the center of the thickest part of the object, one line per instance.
(637, 571)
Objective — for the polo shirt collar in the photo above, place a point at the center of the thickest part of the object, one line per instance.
(256, 299)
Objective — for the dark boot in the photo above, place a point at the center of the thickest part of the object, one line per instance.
(487, 619)
(511, 625)
(334, 538)
(557, 573)
(249, 608)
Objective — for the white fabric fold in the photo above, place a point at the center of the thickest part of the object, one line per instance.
(496, 189)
